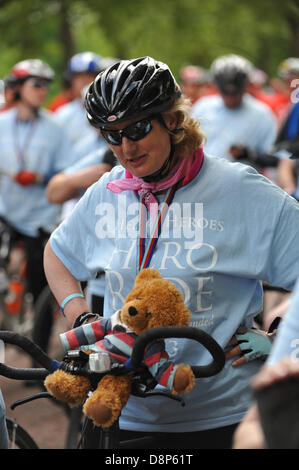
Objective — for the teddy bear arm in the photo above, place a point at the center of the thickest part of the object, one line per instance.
(87, 334)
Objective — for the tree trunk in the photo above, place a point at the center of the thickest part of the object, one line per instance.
(67, 40)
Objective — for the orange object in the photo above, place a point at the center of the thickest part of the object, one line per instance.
(25, 177)
(13, 300)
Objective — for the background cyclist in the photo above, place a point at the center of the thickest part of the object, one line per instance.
(233, 121)
(71, 183)
(288, 137)
(33, 148)
(83, 68)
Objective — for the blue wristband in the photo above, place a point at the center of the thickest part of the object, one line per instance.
(68, 298)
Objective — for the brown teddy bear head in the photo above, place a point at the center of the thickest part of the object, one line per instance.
(153, 302)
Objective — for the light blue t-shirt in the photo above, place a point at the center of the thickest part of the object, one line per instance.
(286, 343)
(72, 117)
(93, 158)
(95, 286)
(239, 229)
(47, 150)
(88, 144)
(252, 124)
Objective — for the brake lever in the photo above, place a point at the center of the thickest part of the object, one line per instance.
(31, 398)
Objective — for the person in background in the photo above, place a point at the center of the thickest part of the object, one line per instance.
(65, 96)
(72, 183)
(92, 142)
(234, 122)
(83, 68)
(33, 147)
(259, 89)
(288, 73)
(9, 95)
(195, 83)
(287, 141)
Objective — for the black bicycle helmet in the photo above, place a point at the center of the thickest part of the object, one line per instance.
(231, 73)
(129, 89)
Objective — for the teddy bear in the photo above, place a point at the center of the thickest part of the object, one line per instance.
(153, 302)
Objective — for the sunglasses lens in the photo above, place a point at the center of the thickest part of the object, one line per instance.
(39, 83)
(134, 132)
(112, 137)
(138, 130)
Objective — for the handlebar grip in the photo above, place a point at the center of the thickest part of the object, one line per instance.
(188, 332)
(9, 337)
(23, 374)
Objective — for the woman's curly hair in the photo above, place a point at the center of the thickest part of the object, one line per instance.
(188, 135)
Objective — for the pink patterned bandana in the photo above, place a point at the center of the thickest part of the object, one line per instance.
(184, 170)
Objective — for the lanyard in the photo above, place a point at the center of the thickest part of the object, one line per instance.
(145, 253)
(20, 153)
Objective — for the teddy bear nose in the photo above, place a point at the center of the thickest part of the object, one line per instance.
(132, 311)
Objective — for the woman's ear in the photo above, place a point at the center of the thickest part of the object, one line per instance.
(171, 122)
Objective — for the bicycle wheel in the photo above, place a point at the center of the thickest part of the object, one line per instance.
(46, 329)
(74, 428)
(18, 438)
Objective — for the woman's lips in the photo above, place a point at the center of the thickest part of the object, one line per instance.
(136, 161)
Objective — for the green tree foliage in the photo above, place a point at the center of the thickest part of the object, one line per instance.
(178, 32)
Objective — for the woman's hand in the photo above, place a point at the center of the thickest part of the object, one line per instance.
(248, 344)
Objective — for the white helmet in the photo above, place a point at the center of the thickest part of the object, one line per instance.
(85, 62)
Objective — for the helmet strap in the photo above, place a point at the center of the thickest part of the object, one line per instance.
(165, 169)
(167, 165)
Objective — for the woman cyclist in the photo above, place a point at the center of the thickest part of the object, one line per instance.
(224, 228)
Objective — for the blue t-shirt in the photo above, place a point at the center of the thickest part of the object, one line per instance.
(93, 158)
(286, 343)
(89, 144)
(72, 117)
(95, 286)
(238, 229)
(47, 150)
(252, 124)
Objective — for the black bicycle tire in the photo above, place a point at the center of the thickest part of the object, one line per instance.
(74, 428)
(22, 439)
(44, 297)
(42, 305)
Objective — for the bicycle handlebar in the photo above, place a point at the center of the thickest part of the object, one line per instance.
(188, 332)
(136, 358)
(23, 374)
(34, 351)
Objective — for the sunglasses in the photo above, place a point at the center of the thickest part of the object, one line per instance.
(136, 131)
(37, 83)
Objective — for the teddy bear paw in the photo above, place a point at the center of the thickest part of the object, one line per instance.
(103, 413)
(184, 379)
